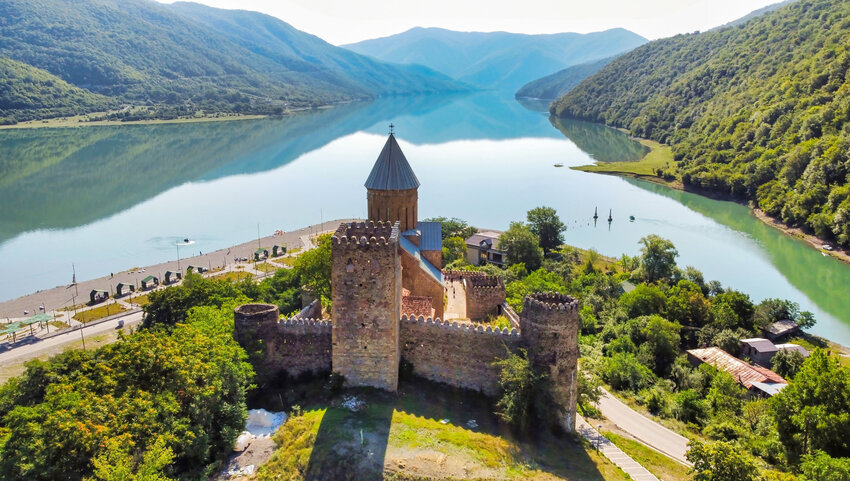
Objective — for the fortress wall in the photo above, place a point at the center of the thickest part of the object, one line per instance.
(456, 354)
(484, 293)
(276, 348)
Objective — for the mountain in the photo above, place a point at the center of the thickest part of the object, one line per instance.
(755, 13)
(760, 111)
(559, 83)
(501, 60)
(28, 93)
(193, 57)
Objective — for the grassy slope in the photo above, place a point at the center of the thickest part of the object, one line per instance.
(659, 157)
(402, 438)
(658, 464)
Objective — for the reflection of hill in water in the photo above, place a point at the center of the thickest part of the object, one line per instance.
(805, 268)
(602, 143)
(63, 178)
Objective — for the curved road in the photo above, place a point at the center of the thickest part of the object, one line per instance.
(642, 428)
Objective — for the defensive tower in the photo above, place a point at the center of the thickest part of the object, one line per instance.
(366, 281)
(549, 326)
(392, 188)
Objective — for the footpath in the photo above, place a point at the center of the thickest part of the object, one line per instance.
(612, 452)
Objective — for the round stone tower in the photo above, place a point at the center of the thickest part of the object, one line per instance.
(392, 188)
(549, 327)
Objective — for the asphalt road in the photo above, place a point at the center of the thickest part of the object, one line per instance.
(34, 350)
(642, 428)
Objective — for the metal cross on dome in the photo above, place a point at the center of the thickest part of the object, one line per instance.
(391, 128)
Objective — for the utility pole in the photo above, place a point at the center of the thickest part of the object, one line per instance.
(74, 278)
(178, 255)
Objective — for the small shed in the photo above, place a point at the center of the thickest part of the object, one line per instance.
(278, 251)
(149, 282)
(192, 269)
(98, 295)
(780, 329)
(124, 288)
(172, 277)
(261, 253)
(793, 347)
(760, 350)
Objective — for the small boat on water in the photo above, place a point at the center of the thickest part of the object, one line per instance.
(186, 240)
(559, 165)
(595, 213)
(610, 218)
(631, 218)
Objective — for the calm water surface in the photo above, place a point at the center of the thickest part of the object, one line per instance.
(111, 198)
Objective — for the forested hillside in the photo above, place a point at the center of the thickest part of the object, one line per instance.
(496, 60)
(758, 111)
(191, 58)
(559, 83)
(29, 93)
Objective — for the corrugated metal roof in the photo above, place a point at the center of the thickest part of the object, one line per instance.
(744, 373)
(432, 236)
(391, 171)
(411, 249)
(769, 388)
(760, 344)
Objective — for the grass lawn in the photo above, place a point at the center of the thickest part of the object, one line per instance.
(233, 276)
(658, 464)
(285, 261)
(424, 432)
(141, 300)
(810, 343)
(99, 312)
(58, 324)
(266, 267)
(659, 157)
(73, 308)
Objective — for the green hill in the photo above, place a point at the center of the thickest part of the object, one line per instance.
(498, 60)
(758, 111)
(29, 93)
(559, 83)
(192, 57)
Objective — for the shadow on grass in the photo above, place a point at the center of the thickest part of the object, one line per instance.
(353, 445)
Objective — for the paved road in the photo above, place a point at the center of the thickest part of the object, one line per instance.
(644, 429)
(34, 350)
(612, 452)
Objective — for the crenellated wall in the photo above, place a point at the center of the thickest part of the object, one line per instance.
(366, 280)
(549, 323)
(276, 347)
(484, 293)
(460, 355)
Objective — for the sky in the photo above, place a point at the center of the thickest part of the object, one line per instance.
(347, 21)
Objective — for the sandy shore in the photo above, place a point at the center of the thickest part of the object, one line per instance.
(64, 296)
(816, 242)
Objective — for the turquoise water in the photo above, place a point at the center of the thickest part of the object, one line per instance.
(111, 198)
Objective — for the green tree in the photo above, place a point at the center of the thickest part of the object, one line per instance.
(453, 227)
(623, 371)
(725, 397)
(454, 248)
(690, 407)
(662, 341)
(658, 258)
(643, 300)
(787, 363)
(820, 466)
(720, 461)
(813, 412)
(315, 266)
(547, 226)
(687, 305)
(116, 462)
(521, 245)
(519, 384)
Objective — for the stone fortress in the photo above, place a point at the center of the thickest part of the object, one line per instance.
(389, 294)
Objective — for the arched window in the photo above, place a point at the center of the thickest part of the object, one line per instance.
(349, 267)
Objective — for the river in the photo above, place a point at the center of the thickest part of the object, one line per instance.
(110, 198)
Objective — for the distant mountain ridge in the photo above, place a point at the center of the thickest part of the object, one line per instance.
(192, 56)
(499, 60)
(559, 83)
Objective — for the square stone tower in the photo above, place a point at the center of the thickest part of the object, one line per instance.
(366, 279)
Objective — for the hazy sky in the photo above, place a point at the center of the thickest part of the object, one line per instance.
(346, 21)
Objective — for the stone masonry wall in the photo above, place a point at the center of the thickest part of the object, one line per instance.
(421, 283)
(456, 354)
(484, 293)
(366, 279)
(278, 347)
(394, 205)
(549, 324)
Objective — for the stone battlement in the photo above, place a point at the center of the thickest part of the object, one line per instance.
(454, 275)
(360, 234)
(297, 322)
(462, 327)
(552, 301)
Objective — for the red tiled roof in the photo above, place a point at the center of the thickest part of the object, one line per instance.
(744, 373)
